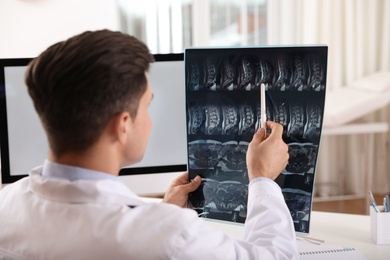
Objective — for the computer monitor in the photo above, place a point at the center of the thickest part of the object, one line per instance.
(23, 140)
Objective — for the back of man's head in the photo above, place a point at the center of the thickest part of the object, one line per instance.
(78, 85)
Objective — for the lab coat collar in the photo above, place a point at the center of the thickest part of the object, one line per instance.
(104, 191)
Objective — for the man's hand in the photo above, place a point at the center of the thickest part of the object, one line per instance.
(267, 156)
(179, 189)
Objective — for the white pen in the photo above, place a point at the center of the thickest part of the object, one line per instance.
(371, 197)
(373, 203)
(263, 112)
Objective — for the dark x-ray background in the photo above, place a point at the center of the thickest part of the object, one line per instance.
(223, 113)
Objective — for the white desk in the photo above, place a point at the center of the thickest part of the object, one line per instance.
(339, 229)
(350, 231)
(346, 230)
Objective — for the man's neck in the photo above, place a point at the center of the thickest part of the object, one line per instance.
(93, 160)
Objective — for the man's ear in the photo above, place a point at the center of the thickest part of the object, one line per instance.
(121, 126)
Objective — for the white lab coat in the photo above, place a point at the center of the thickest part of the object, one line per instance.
(43, 218)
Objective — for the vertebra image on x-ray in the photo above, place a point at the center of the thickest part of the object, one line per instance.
(230, 120)
(225, 199)
(302, 158)
(223, 113)
(228, 75)
(301, 119)
(299, 203)
(204, 154)
(228, 156)
(282, 72)
(233, 156)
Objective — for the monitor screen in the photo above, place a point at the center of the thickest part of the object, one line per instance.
(23, 140)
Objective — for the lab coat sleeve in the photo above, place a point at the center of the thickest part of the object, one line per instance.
(269, 221)
(268, 232)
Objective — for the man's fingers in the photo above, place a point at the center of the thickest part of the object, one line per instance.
(276, 129)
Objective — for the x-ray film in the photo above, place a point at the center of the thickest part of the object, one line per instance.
(223, 113)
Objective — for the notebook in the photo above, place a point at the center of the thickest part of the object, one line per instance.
(318, 251)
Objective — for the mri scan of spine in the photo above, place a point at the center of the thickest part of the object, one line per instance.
(280, 113)
(230, 120)
(312, 129)
(228, 197)
(196, 119)
(298, 202)
(223, 113)
(213, 124)
(299, 76)
(264, 73)
(317, 74)
(246, 74)
(247, 120)
(204, 154)
(194, 77)
(233, 156)
(297, 120)
(302, 157)
(282, 74)
(258, 119)
(210, 74)
(228, 75)
(270, 112)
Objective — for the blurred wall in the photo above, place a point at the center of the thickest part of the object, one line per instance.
(27, 27)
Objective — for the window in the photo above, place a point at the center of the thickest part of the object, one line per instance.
(169, 26)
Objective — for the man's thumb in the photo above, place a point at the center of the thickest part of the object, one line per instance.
(259, 136)
(193, 185)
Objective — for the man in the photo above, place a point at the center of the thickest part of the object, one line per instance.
(92, 94)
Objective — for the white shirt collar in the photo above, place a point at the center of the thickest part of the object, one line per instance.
(73, 173)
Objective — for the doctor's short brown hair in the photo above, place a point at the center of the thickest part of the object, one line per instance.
(79, 84)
